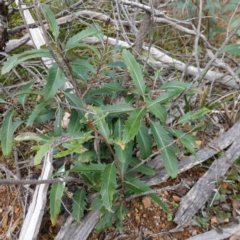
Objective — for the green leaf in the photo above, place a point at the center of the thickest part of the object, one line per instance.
(189, 141)
(144, 141)
(133, 124)
(76, 102)
(189, 116)
(7, 134)
(106, 221)
(138, 186)
(175, 86)
(96, 203)
(90, 31)
(135, 71)
(163, 139)
(164, 97)
(28, 136)
(112, 87)
(232, 48)
(144, 169)
(116, 109)
(79, 203)
(74, 123)
(88, 167)
(2, 101)
(45, 115)
(156, 198)
(26, 55)
(55, 80)
(100, 122)
(58, 122)
(16, 124)
(74, 146)
(109, 185)
(157, 110)
(54, 28)
(22, 98)
(42, 151)
(56, 194)
(79, 63)
(123, 151)
(36, 112)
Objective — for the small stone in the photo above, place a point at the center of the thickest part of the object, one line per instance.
(194, 232)
(176, 198)
(155, 205)
(146, 202)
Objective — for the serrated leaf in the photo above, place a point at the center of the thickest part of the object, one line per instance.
(35, 112)
(56, 194)
(88, 167)
(42, 151)
(7, 134)
(90, 31)
(136, 186)
(109, 185)
(144, 141)
(163, 139)
(26, 55)
(157, 110)
(76, 102)
(135, 71)
(133, 124)
(79, 203)
(55, 80)
(189, 116)
(144, 169)
(22, 98)
(96, 203)
(54, 28)
(105, 221)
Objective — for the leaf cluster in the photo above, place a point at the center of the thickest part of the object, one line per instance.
(104, 136)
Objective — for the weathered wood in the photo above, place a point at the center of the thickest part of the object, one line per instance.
(216, 235)
(203, 189)
(80, 231)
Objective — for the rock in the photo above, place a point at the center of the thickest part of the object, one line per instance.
(146, 202)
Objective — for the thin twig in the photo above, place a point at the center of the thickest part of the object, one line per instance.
(38, 182)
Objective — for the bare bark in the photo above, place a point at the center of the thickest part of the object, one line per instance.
(80, 231)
